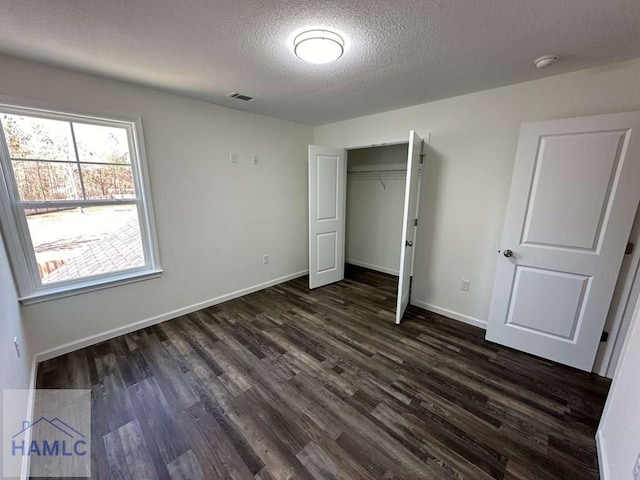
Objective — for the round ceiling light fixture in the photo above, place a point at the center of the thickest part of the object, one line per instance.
(318, 46)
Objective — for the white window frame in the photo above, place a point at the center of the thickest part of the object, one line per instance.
(14, 225)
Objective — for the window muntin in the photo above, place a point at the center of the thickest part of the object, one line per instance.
(77, 190)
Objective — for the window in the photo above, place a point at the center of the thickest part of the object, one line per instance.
(76, 212)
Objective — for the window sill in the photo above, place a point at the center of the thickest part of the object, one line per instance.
(89, 286)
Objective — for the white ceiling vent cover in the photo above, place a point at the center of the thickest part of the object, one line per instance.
(241, 96)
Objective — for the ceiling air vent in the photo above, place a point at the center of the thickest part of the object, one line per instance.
(240, 96)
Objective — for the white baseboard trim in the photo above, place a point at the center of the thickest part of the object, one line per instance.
(132, 327)
(373, 267)
(603, 464)
(476, 322)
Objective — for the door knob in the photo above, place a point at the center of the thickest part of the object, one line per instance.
(507, 253)
(408, 243)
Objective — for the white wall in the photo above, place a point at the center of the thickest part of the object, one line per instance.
(374, 213)
(469, 166)
(215, 220)
(619, 430)
(15, 373)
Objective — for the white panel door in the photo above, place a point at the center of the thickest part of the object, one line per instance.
(327, 180)
(408, 226)
(574, 195)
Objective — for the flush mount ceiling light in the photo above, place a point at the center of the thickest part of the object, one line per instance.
(318, 46)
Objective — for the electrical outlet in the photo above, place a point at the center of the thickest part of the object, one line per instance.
(265, 259)
(17, 345)
(233, 158)
(465, 284)
(256, 159)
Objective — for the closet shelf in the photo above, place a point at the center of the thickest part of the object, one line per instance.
(377, 172)
(387, 174)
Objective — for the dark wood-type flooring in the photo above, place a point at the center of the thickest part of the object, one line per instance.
(292, 383)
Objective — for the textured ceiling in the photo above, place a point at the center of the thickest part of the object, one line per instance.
(398, 52)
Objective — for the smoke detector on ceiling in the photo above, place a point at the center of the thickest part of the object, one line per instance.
(241, 96)
(544, 61)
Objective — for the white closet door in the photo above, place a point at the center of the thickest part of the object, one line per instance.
(327, 211)
(408, 225)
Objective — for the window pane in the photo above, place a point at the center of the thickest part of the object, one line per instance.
(76, 243)
(108, 181)
(47, 181)
(38, 138)
(97, 143)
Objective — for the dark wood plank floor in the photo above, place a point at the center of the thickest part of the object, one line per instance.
(291, 383)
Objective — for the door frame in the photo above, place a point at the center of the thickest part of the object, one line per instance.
(625, 296)
(426, 138)
(346, 150)
(386, 143)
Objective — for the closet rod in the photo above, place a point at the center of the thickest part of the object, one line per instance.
(377, 171)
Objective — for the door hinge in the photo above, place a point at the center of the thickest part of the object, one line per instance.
(604, 337)
(629, 249)
(421, 158)
(415, 222)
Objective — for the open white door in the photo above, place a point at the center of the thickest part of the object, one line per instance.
(408, 223)
(574, 195)
(327, 203)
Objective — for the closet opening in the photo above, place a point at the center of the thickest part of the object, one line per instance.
(363, 214)
(376, 181)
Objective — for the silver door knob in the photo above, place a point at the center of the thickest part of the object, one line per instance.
(408, 243)
(507, 253)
